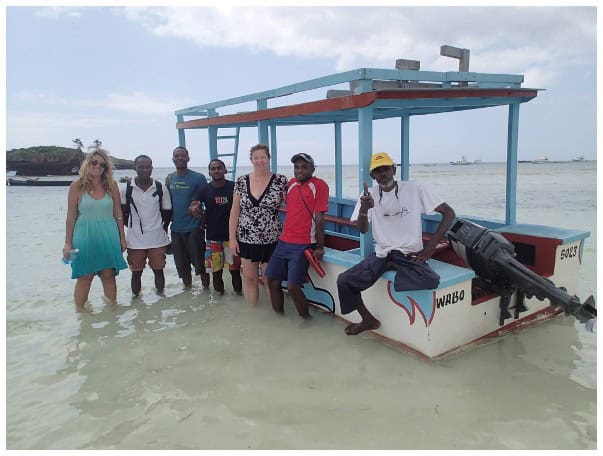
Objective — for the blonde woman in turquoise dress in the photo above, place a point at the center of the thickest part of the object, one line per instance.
(95, 227)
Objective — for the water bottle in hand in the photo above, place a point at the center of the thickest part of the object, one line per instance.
(72, 256)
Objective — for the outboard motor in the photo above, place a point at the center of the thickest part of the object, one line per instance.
(491, 256)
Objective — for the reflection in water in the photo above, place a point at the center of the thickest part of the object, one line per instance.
(181, 374)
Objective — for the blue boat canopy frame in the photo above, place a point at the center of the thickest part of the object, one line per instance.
(373, 94)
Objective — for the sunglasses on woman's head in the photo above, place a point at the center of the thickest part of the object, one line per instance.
(96, 162)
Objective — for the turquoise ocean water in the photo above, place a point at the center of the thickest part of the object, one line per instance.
(195, 370)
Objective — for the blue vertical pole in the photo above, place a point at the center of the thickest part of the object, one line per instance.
(405, 148)
(365, 150)
(262, 124)
(338, 162)
(273, 149)
(181, 135)
(512, 137)
(212, 136)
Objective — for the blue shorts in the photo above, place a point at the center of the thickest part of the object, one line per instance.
(289, 263)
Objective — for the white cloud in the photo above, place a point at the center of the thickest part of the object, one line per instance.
(52, 127)
(43, 98)
(140, 103)
(56, 12)
(538, 40)
(136, 102)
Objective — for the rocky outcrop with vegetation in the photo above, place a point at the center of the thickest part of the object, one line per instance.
(52, 160)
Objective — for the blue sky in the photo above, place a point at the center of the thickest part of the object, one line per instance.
(119, 73)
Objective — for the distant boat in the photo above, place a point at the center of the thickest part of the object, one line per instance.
(578, 159)
(462, 161)
(541, 160)
(29, 182)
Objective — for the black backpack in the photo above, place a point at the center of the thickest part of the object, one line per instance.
(125, 208)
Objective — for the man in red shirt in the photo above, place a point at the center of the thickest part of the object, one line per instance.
(307, 201)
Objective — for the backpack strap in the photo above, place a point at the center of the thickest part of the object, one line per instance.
(125, 207)
(168, 181)
(130, 202)
(159, 193)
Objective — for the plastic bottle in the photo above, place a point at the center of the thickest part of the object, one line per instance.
(591, 325)
(72, 256)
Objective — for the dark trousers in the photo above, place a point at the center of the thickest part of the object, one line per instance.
(410, 275)
(189, 249)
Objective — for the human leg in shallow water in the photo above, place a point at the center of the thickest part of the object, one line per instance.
(218, 281)
(299, 299)
(82, 288)
(107, 277)
(237, 283)
(135, 282)
(159, 280)
(264, 280)
(251, 281)
(276, 295)
(204, 279)
(234, 267)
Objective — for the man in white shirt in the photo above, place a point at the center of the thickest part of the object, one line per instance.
(394, 209)
(148, 208)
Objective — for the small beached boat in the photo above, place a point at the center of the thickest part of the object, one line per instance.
(31, 182)
(495, 275)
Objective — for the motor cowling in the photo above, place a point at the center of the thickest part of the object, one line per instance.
(492, 257)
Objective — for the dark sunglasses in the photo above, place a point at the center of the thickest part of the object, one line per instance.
(96, 162)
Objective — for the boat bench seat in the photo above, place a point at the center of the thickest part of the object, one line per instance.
(442, 245)
(450, 274)
(339, 220)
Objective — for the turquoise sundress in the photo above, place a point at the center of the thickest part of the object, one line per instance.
(97, 236)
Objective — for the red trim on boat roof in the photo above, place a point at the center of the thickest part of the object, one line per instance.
(453, 93)
(352, 102)
(312, 107)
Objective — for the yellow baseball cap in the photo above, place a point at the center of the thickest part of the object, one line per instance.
(380, 159)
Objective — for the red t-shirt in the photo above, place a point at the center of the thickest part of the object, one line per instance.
(300, 227)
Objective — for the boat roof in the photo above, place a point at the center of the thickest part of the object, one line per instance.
(373, 94)
(385, 104)
(391, 93)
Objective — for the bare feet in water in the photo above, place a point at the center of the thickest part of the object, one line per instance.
(357, 328)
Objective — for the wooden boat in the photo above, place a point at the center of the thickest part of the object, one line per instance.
(468, 307)
(31, 182)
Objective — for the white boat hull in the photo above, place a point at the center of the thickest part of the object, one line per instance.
(433, 323)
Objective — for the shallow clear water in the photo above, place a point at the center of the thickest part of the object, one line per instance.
(196, 370)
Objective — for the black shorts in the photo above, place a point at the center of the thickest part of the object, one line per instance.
(258, 253)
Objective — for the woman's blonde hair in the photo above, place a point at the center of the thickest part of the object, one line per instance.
(85, 179)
